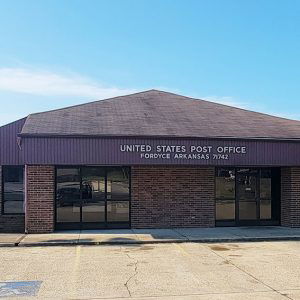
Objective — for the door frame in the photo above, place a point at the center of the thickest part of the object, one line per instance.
(275, 200)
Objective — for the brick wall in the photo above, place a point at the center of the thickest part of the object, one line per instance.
(10, 223)
(172, 196)
(40, 199)
(290, 197)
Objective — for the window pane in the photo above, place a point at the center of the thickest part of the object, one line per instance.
(225, 210)
(118, 184)
(246, 187)
(13, 207)
(13, 188)
(265, 184)
(93, 194)
(68, 195)
(118, 211)
(225, 184)
(265, 209)
(93, 184)
(93, 212)
(247, 210)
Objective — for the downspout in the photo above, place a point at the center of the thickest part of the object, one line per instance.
(25, 200)
(19, 142)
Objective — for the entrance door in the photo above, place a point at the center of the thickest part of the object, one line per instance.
(92, 197)
(248, 198)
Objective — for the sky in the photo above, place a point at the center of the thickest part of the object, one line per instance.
(58, 53)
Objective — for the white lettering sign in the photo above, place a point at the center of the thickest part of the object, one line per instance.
(196, 152)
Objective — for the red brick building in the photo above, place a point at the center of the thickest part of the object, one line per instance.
(149, 160)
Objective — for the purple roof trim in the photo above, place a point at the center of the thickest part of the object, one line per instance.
(10, 153)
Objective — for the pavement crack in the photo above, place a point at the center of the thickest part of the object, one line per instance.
(135, 264)
(249, 274)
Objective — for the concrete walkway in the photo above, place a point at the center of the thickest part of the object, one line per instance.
(150, 236)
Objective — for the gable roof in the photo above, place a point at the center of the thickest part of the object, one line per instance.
(159, 114)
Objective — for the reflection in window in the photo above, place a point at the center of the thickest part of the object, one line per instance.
(265, 184)
(13, 189)
(266, 194)
(118, 211)
(92, 195)
(68, 195)
(225, 209)
(265, 209)
(93, 184)
(246, 187)
(225, 194)
(118, 184)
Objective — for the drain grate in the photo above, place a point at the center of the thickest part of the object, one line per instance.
(19, 288)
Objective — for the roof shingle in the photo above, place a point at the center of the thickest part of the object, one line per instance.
(161, 114)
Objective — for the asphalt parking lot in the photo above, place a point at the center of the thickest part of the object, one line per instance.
(265, 270)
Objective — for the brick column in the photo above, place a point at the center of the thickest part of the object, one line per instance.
(290, 197)
(40, 199)
(172, 196)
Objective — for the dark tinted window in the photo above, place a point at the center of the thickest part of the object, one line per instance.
(265, 184)
(68, 195)
(118, 211)
(118, 184)
(93, 194)
(225, 184)
(266, 194)
(225, 194)
(13, 189)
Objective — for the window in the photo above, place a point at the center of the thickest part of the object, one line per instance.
(266, 194)
(13, 189)
(225, 194)
(117, 184)
(68, 195)
(92, 196)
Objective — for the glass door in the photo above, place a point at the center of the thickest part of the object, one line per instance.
(247, 196)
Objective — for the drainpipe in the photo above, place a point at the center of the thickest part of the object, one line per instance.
(25, 199)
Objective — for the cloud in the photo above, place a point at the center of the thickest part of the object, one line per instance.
(44, 83)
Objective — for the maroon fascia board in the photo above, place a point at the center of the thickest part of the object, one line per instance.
(17, 149)
(106, 151)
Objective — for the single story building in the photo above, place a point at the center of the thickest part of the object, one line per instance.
(149, 160)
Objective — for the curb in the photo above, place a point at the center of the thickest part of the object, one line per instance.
(170, 241)
(8, 245)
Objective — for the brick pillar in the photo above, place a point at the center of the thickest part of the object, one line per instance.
(172, 196)
(290, 197)
(40, 199)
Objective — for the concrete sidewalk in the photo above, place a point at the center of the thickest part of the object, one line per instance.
(150, 236)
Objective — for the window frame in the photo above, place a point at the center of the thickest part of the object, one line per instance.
(2, 191)
(275, 199)
(86, 225)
